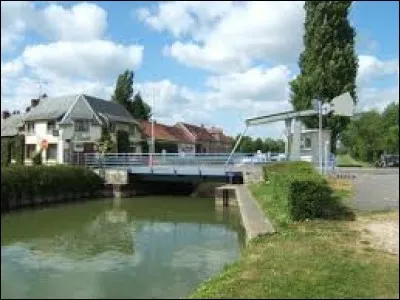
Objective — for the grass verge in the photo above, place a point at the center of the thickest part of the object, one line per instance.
(345, 160)
(312, 259)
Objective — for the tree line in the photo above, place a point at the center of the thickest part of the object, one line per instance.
(250, 145)
(372, 133)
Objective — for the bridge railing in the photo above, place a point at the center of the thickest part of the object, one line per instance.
(170, 159)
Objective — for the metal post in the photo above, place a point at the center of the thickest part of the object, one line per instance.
(320, 135)
(236, 145)
(326, 157)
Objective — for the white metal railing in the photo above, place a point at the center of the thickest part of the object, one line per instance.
(172, 159)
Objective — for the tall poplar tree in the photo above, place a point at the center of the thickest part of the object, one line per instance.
(328, 65)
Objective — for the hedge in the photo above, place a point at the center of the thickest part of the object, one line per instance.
(123, 143)
(32, 181)
(303, 192)
(6, 144)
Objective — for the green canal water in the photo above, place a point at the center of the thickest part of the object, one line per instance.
(149, 247)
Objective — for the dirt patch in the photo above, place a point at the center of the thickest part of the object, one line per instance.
(381, 232)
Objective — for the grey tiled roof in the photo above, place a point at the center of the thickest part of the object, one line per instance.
(109, 109)
(9, 126)
(50, 108)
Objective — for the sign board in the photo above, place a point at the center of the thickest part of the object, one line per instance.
(78, 147)
(343, 105)
(45, 144)
(116, 177)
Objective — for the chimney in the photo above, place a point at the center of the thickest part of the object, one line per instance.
(5, 114)
(34, 102)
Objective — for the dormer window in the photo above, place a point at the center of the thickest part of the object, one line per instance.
(30, 128)
(81, 125)
(51, 126)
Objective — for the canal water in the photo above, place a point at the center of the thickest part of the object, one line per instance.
(148, 247)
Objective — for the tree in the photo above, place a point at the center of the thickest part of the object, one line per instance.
(124, 95)
(140, 109)
(365, 137)
(328, 65)
(123, 144)
(105, 144)
(258, 144)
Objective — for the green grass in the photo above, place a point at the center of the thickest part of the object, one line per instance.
(319, 259)
(346, 160)
(315, 259)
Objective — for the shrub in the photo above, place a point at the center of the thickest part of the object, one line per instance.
(5, 151)
(46, 180)
(305, 194)
(37, 159)
(19, 149)
(123, 144)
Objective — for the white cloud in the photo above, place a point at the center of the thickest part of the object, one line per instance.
(14, 18)
(17, 93)
(83, 21)
(93, 59)
(184, 17)
(234, 37)
(371, 67)
(12, 68)
(256, 84)
(377, 98)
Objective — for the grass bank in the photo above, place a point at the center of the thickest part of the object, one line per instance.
(308, 259)
(345, 160)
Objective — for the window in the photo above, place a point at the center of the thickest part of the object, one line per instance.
(30, 128)
(81, 125)
(30, 151)
(51, 125)
(306, 143)
(111, 127)
(52, 152)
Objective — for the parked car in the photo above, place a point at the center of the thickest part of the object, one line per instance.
(388, 161)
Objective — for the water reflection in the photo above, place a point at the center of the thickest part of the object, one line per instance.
(130, 248)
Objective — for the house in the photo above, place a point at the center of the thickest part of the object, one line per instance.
(187, 138)
(11, 126)
(72, 125)
(206, 140)
(167, 138)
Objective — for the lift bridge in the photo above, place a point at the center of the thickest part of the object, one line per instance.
(219, 166)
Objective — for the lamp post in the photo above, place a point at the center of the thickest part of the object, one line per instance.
(152, 150)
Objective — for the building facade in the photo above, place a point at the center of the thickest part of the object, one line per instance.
(71, 126)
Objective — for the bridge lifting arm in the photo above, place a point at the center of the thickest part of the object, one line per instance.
(280, 117)
(236, 145)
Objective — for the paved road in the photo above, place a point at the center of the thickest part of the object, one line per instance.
(375, 189)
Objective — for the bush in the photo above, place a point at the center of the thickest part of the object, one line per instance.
(123, 144)
(34, 181)
(19, 149)
(37, 159)
(305, 194)
(6, 144)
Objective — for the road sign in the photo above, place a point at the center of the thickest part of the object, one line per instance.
(343, 105)
(45, 144)
(326, 108)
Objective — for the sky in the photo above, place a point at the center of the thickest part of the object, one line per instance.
(198, 62)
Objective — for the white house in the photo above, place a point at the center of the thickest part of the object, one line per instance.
(71, 125)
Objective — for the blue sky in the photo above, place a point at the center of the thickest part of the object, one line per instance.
(214, 64)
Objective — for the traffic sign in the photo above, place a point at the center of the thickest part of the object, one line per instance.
(45, 144)
(343, 105)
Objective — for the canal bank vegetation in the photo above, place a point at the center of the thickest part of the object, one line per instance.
(23, 185)
(318, 251)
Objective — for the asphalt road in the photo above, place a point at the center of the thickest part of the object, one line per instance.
(375, 189)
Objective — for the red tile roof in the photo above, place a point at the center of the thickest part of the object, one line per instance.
(164, 132)
(201, 133)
